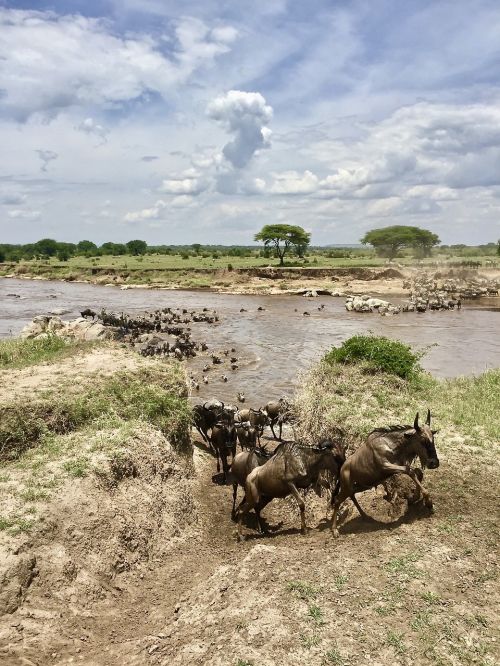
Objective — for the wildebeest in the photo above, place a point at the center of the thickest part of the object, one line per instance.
(243, 463)
(279, 412)
(385, 452)
(291, 467)
(256, 417)
(223, 441)
(205, 416)
(247, 435)
(88, 313)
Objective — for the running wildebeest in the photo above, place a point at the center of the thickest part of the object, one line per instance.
(385, 452)
(291, 467)
(243, 463)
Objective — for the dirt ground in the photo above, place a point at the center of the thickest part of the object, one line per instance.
(412, 588)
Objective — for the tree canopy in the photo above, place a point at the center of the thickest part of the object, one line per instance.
(136, 247)
(388, 241)
(282, 237)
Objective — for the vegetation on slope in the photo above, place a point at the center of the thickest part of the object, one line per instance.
(18, 353)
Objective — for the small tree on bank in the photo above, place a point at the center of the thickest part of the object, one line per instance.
(390, 240)
(282, 237)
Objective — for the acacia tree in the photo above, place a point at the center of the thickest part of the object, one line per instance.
(282, 237)
(390, 240)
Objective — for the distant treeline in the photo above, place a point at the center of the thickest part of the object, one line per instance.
(48, 247)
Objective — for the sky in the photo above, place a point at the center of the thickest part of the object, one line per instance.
(203, 120)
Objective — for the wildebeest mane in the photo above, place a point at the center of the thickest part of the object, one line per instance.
(392, 428)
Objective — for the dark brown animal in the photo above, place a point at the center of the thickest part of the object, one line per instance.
(387, 451)
(223, 441)
(279, 412)
(243, 463)
(291, 467)
(247, 435)
(257, 419)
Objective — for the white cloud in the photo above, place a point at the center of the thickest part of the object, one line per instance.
(23, 214)
(153, 213)
(245, 115)
(90, 126)
(190, 184)
(50, 62)
(292, 182)
(225, 34)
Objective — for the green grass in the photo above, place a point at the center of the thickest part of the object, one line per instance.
(316, 615)
(334, 394)
(153, 396)
(395, 640)
(310, 640)
(19, 353)
(405, 566)
(77, 467)
(377, 353)
(302, 589)
(334, 657)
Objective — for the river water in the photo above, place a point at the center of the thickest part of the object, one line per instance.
(273, 345)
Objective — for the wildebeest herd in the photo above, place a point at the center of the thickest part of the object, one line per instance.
(164, 332)
(292, 466)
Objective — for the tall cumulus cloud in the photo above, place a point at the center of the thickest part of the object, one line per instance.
(245, 115)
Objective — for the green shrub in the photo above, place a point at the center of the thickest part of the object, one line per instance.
(378, 353)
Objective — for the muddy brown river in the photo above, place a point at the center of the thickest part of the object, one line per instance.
(276, 344)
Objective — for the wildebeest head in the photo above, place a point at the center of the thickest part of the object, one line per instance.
(334, 450)
(422, 437)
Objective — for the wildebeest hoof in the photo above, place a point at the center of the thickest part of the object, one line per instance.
(241, 538)
(335, 533)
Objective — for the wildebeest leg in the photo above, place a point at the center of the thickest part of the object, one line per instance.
(235, 493)
(302, 507)
(346, 490)
(272, 429)
(425, 493)
(358, 507)
(250, 501)
(281, 429)
(263, 502)
(203, 436)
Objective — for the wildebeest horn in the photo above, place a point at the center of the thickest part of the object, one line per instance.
(428, 422)
(415, 423)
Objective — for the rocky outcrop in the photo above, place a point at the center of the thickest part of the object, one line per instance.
(78, 329)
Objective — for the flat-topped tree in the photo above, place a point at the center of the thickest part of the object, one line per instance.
(388, 241)
(282, 237)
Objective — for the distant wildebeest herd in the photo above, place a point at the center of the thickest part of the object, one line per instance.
(292, 466)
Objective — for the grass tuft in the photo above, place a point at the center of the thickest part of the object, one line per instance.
(20, 353)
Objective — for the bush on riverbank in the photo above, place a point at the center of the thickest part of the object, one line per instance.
(338, 394)
(379, 354)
